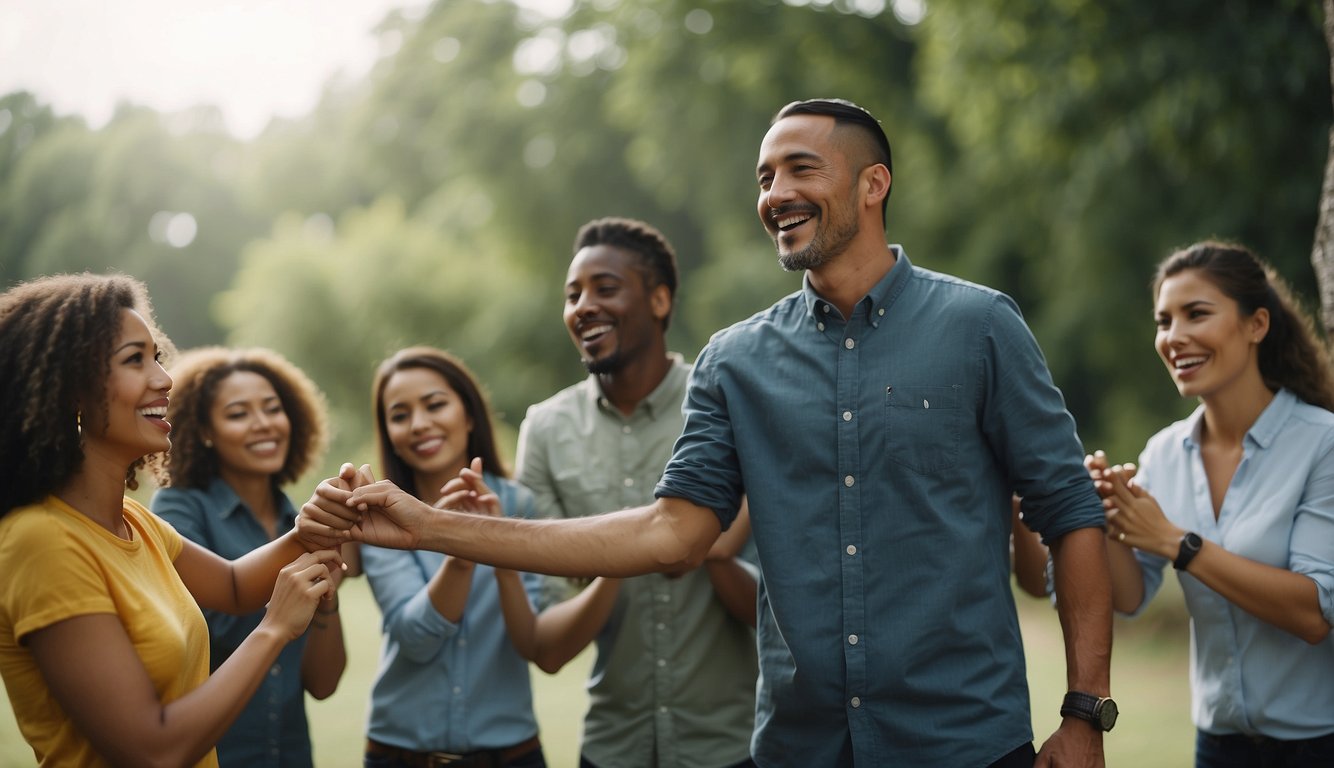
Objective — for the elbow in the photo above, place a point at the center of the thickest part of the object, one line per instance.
(548, 663)
(324, 688)
(1316, 633)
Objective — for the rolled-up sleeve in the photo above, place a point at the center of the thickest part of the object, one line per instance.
(410, 618)
(1313, 531)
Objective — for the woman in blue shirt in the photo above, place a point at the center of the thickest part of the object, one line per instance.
(1239, 498)
(244, 423)
(451, 680)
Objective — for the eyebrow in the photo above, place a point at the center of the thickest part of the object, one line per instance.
(1188, 305)
(427, 396)
(597, 276)
(137, 344)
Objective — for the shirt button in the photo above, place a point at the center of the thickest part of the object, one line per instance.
(852, 549)
(849, 343)
(852, 639)
(824, 308)
(629, 481)
(662, 662)
(463, 641)
(847, 415)
(662, 710)
(881, 312)
(661, 627)
(925, 404)
(458, 689)
(856, 702)
(626, 429)
(848, 481)
(276, 670)
(819, 326)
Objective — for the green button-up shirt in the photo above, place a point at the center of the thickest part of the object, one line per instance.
(674, 681)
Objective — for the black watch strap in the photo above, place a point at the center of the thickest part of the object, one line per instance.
(1100, 712)
(1188, 549)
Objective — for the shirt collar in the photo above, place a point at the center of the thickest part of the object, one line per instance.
(877, 300)
(667, 395)
(1262, 432)
(225, 500)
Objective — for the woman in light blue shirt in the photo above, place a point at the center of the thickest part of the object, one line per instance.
(1239, 498)
(451, 680)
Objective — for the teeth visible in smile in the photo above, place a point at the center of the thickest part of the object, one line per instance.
(428, 445)
(158, 412)
(1189, 362)
(787, 222)
(264, 445)
(596, 330)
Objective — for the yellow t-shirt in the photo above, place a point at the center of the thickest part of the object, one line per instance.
(56, 564)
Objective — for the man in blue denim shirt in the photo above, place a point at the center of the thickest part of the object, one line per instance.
(878, 421)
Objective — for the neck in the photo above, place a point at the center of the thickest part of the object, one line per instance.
(852, 274)
(1229, 415)
(256, 491)
(627, 387)
(97, 491)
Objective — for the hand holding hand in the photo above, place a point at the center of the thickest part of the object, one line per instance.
(300, 586)
(389, 516)
(325, 519)
(1135, 519)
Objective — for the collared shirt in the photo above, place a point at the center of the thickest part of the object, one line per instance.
(1248, 676)
(674, 680)
(446, 686)
(878, 454)
(272, 730)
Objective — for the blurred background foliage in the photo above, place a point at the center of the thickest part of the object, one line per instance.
(1055, 149)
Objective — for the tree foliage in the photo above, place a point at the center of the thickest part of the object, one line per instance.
(1055, 149)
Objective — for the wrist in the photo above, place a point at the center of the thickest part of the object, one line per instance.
(1188, 546)
(331, 609)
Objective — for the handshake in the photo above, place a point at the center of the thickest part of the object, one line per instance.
(353, 506)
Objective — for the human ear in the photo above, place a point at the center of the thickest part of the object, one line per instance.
(660, 301)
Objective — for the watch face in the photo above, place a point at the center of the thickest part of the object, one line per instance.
(1107, 714)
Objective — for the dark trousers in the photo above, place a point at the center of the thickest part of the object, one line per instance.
(1238, 751)
(1021, 757)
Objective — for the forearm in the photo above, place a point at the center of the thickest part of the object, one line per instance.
(448, 588)
(1277, 596)
(1084, 603)
(626, 543)
(325, 657)
(565, 629)
(1127, 578)
(735, 586)
(254, 573)
(520, 621)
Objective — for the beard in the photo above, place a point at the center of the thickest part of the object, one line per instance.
(827, 243)
(609, 364)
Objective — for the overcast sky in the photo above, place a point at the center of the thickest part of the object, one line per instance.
(252, 58)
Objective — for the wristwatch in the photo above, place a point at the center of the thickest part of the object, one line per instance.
(1099, 711)
(1190, 547)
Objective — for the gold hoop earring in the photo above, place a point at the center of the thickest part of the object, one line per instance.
(78, 423)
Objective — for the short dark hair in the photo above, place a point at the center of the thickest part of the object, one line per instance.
(56, 339)
(195, 380)
(1291, 355)
(482, 441)
(655, 254)
(846, 113)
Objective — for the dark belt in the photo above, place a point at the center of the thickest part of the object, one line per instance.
(483, 758)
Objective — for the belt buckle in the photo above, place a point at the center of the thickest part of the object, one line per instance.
(437, 759)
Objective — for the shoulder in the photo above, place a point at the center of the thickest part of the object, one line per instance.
(744, 335)
(958, 298)
(172, 500)
(37, 526)
(564, 402)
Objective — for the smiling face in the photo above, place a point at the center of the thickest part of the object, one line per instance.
(612, 315)
(1208, 346)
(131, 423)
(427, 424)
(248, 426)
(808, 198)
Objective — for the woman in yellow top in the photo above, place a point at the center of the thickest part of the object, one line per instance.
(103, 648)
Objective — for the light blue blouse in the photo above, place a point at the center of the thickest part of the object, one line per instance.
(441, 685)
(1248, 676)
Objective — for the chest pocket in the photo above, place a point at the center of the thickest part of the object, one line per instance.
(923, 424)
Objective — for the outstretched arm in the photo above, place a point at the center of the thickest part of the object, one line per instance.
(669, 534)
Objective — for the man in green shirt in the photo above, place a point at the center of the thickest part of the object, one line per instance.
(674, 681)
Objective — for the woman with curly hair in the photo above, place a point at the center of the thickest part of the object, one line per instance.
(103, 648)
(244, 423)
(1239, 499)
(453, 673)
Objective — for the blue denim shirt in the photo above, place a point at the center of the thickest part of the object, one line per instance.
(1247, 676)
(878, 453)
(271, 731)
(444, 686)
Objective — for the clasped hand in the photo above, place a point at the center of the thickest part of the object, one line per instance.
(1134, 517)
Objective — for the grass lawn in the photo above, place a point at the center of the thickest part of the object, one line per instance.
(1149, 680)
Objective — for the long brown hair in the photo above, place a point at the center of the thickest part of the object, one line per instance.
(482, 440)
(1292, 355)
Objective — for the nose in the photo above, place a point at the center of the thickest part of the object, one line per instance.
(419, 420)
(777, 195)
(584, 305)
